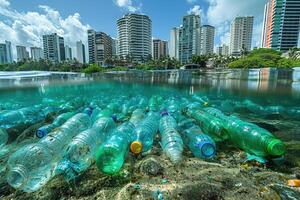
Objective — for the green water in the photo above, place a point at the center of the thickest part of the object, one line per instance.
(266, 87)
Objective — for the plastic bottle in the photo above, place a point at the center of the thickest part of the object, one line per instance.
(201, 145)
(174, 108)
(155, 103)
(81, 151)
(33, 165)
(137, 116)
(171, 141)
(28, 115)
(3, 137)
(111, 154)
(254, 139)
(145, 132)
(204, 101)
(61, 119)
(210, 124)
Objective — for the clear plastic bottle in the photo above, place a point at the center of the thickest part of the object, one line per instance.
(171, 141)
(204, 101)
(201, 145)
(174, 108)
(145, 132)
(81, 151)
(33, 165)
(137, 116)
(155, 103)
(28, 115)
(3, 137)
(253, 139)
(61, 119)
(210, 124)
(111, 154)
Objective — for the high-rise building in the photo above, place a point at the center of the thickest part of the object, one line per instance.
(36, 53)
(207, 40)
(68, 52)
(159, 49)
(135, 37)
(290, 25)
(80, 49)
(281, 26)
(54, 48)
(9, 52)
(22, 53)
(3, 54)
(6, 53)
(189, 38)
(114, 46)
(174, 43)
(241, 35)
(223, 50)
(100, 47)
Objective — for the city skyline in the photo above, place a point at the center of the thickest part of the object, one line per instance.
(72, 23)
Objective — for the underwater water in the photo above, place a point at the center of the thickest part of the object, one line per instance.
(269, 98)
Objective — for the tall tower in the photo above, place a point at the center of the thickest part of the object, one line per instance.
(189, 38)
(135, 37)
(100, 47)
(241, 35)
(54, 48)
(207, 39)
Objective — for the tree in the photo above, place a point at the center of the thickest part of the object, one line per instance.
(200, 60)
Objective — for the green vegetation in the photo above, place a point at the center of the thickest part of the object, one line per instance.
(43, 65)
(258, 58)
(261, 58)
(92, 69)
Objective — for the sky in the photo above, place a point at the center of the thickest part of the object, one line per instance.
(23, 22)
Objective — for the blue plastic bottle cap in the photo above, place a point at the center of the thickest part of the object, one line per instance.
(114, 117)
(40, 133)
(207, 149)
(164, 113)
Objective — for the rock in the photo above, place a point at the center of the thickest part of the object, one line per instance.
(151, 167)
(201, 191)
(285, 192)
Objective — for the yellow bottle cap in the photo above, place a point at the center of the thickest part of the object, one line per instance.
(205, 103)
(136, 147)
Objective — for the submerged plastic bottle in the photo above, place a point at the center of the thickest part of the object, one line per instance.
(253, 139)
(201, 145)
(204, 101)
(155, 103)
(137, 116)
(44, 130)
(171, 140)
(3, 137)
(80, 153)
(111, 154)
(28, 115)
(33, 165)
(145, 132)
(210, 124)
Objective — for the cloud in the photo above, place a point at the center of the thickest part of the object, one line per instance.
(28, 28)
(191, 1)
(195, 10)
(4, 3)
(220, 13)
(128, 5)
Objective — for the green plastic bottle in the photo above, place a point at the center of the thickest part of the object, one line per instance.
(111, 155)
(253, 139)
(209, 124)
